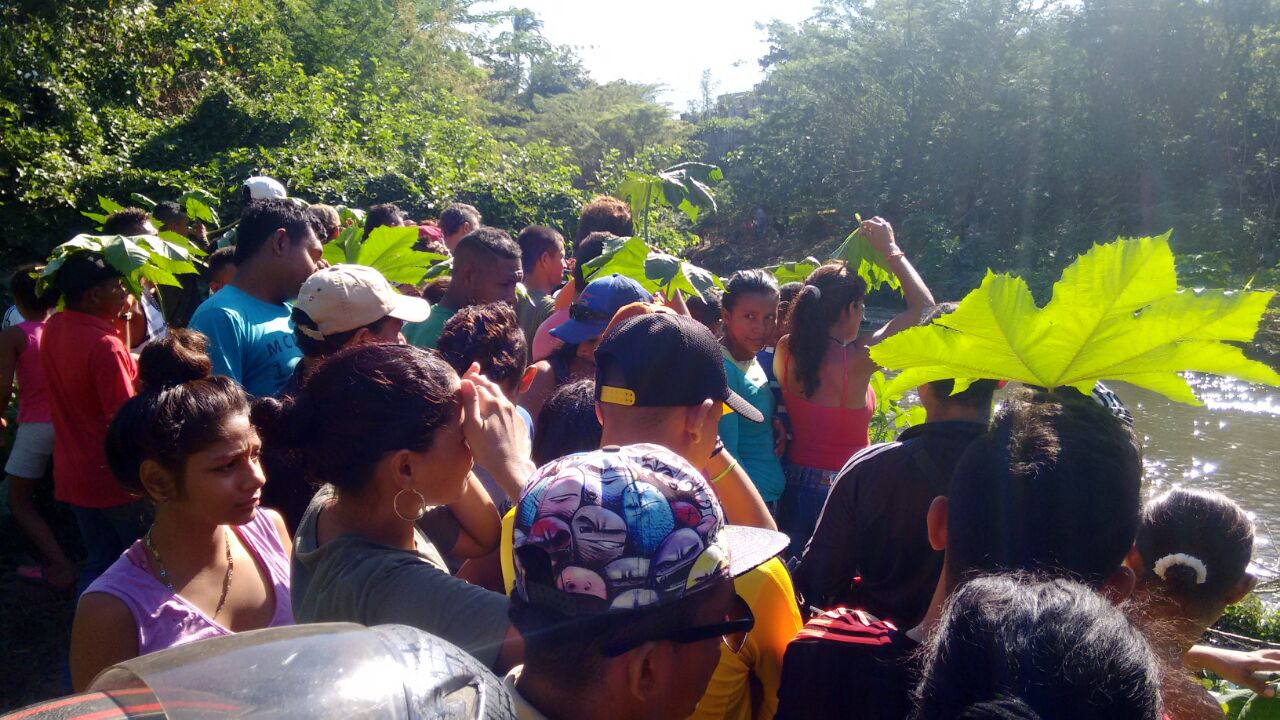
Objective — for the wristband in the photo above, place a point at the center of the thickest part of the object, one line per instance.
(724, 472)
(719, 448)
(893, 255)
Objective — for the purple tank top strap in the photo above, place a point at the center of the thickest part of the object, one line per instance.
(262, 538)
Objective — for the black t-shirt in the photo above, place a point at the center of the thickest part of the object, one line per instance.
(846, 664)
(873, 525)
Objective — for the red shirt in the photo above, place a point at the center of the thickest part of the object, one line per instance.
(90, 374)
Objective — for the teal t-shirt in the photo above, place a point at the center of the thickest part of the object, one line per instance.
(427, 333)
(250, 340)
(752, 443)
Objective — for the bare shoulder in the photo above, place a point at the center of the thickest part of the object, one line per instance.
(282, 528)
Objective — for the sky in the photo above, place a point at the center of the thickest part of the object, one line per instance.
(667, 42)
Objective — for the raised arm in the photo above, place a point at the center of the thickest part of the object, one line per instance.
(880, 234)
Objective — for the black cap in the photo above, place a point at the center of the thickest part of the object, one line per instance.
(664, 360)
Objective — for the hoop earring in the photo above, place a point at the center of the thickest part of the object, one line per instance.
(422, 506)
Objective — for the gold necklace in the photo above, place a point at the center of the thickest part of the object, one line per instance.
(164, 574)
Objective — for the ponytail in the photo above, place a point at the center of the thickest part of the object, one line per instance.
(179, 409)
(825, 295)
(1195, 544)
(360, 404)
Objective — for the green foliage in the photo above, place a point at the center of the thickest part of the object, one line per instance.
(794, 271)
(135, 258)
(857, 253)
(348, 102)
(1248, 705)
(389, 250)
(656, 271)
(684, 187)
(1253, 618)
(1010, 135)
(1116, 313)
(890, 417)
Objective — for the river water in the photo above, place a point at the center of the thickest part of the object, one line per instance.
(1231, 444)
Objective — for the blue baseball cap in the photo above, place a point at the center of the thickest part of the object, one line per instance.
(590, 314)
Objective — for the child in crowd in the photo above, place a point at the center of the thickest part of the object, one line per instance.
(750, 313)
(825, 369)
(221, 268)
(580, 334)
(567, 423)
(33, 443)
(489, 336)
(1009, 647)
(185, 443)
(708, 309)
(89, 374)
(1191, 561)
(392, 431)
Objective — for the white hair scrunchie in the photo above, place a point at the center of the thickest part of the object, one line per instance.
(1191, 561)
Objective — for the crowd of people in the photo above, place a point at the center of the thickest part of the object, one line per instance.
(631, 505)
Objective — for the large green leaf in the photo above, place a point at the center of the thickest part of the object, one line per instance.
(673, 273)
(108, 205)
(656, 271)
(1248, 705)
(389, 250)
(135, 258)
(857, 253)
(624, 256)
(684, 187)
(1116, 314)
(199, 205)
(794, 271)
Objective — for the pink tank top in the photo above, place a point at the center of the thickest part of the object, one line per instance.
(165, 619)
(826, 437)
(33, 395)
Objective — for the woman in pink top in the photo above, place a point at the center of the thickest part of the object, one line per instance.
(213, 563)
(33, 443)
(824, 369)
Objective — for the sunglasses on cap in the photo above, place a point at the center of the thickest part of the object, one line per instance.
(732, 631)
(582, 313)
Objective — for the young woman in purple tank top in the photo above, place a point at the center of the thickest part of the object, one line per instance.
(213, 563)
(825, 372)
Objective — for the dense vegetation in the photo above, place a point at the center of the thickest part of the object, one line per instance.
(1015, 133)
(1005, 133)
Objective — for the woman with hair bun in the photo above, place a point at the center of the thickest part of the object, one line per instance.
(213, 563)
(1191, 561)
(406, 432)
(825, 369)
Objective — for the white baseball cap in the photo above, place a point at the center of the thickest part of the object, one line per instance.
(262, 187)
(344, 297)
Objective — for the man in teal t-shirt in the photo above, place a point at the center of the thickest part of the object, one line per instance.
(486, 269)
(248, 322)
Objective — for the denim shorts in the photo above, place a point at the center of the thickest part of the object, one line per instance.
(802, 502)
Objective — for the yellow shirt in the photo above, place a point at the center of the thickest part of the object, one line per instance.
(771, 597)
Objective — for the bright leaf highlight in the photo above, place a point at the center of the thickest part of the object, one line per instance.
(1116, 314)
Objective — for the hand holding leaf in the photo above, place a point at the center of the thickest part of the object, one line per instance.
(867, 259)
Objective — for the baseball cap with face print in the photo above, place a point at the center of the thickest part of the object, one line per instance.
(623, 529)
